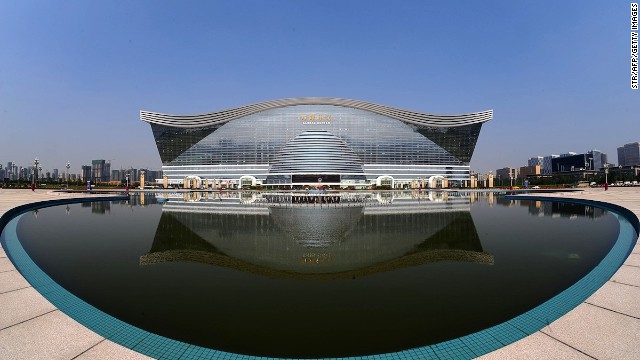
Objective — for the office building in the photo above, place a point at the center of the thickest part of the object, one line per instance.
(629, 154)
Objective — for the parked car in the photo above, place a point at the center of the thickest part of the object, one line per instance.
(581, 184)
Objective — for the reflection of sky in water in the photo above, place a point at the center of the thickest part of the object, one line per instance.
(235, 280)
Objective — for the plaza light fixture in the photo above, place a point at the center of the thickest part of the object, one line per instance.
(35, 171)
(68, 166)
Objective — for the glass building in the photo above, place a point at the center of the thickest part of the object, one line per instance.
(311, 141)
(629, 154)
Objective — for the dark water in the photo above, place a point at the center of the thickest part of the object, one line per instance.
(311, 281)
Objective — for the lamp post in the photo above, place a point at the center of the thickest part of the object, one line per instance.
(620, 177)
(35, 173)
(68, 166)
(586, 169)
(606, 176)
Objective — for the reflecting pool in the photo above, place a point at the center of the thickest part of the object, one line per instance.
(274, 275)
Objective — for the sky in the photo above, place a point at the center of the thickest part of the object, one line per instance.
(75, 74)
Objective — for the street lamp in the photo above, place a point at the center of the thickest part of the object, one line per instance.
(620, 177)
(35, 173)
(68, 167)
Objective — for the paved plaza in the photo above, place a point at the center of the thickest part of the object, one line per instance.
(605, 326)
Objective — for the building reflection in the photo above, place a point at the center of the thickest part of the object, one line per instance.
(317, 242)
(541, 208)
(565, 210)
(98, 207)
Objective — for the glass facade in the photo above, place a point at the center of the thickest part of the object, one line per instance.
(579, 162)
(251, 144)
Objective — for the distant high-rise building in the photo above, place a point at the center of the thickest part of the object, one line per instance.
(629, 154)
(545, 169)
(599, 159)
(86, 172)
(621, 159)
(115, 175)
(55, 174)
(154, 175)
(97, 168)
(133, 175)
(531, 170)
(100, 171)
(12, 170)
(507, 174)
(592, 160)
(537, 160)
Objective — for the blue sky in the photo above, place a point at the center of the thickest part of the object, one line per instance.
(75, 74)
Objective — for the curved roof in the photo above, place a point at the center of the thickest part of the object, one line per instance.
(219, 117)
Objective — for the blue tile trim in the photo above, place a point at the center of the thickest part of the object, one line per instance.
(466, 347)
